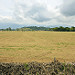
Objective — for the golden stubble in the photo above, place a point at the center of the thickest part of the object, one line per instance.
(40, 46)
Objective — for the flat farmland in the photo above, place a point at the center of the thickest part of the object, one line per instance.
(40, 46)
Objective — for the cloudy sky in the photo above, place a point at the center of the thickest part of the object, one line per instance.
(17, 13)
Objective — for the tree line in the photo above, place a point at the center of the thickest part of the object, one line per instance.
(35, 28)
(62, 28)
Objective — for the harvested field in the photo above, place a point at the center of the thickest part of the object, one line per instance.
(40, 46)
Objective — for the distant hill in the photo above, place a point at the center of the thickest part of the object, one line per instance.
(33, 28)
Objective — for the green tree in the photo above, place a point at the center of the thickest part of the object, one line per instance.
(72, 28)
(9, 29)
(55, 29)
(67, 29)
(61, 28)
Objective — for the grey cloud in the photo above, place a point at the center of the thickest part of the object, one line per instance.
(68, 8)
(65, 20)
(36, 12)
(41, 18)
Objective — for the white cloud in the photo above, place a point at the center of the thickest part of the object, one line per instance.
(38, 12)
(5, 18)
(35, 12)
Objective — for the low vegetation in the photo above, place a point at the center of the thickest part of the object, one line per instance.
(35, 68)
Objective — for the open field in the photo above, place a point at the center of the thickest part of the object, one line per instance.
(41, 46)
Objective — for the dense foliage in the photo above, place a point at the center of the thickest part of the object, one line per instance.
(35, 68)
(35, 28)
(62, 29)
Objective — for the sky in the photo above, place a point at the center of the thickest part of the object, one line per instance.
(17, 13)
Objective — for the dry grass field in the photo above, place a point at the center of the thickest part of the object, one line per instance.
(41, 46)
